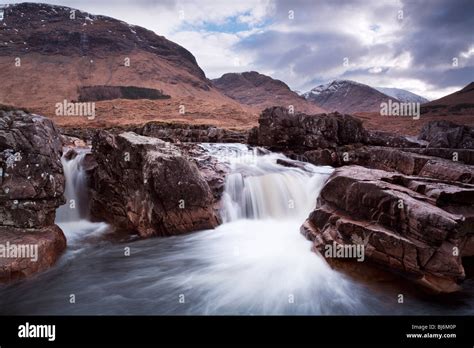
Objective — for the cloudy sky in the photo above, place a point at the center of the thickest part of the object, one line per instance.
(425, 46)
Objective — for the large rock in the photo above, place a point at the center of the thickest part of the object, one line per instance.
(40, 248)
(447, 134)
(417, 227)
(31, 188)
(145, 185)
(211, 169)
(281, 130)
(393, 159)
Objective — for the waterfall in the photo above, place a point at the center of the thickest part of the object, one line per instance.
(260, 188)
(73, 217)
(76, 207)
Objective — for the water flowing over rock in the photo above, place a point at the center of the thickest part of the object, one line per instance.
(31, 188)
(430, 178)
(417, 227)
(148, 186)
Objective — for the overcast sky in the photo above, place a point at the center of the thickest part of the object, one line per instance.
(412, 44)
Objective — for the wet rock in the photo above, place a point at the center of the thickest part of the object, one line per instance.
(211, 169)
(70, 141)
(31, 189)
(40, 248)
(413, 226)
(148, 186)
(70, 154)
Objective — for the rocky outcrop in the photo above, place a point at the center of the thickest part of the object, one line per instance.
(178, 132)
(31, 188)
(417, 227)
(148, 186)
(446, 134)
(393, 160)
(378, 138)
(281, 130)
(465, 156)
(171, 132)
(338, 140)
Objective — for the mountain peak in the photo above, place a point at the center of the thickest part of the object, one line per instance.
(402, 95)
(346, 96)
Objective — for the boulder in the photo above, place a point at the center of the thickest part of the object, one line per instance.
(211, 169)
(31, 189)
(40, 248)
(417, 227)
(148, 186)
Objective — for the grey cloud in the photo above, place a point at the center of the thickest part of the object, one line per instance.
(432, 31)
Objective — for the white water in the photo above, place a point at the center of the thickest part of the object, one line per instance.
(73, 217)
(256, 262)
(76, 207)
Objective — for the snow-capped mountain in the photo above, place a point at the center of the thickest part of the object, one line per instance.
(347, 96)
(402, 95)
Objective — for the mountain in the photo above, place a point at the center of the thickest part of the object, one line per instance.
(402, 95)
(53, 53)
(460, 102)
(347, 96)
(261, 91)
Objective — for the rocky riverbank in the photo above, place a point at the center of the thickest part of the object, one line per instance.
(407, 200)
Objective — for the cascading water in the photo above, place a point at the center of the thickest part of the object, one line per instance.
(76, 207)
(73, 217)
(259, 188)
(256, 262)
